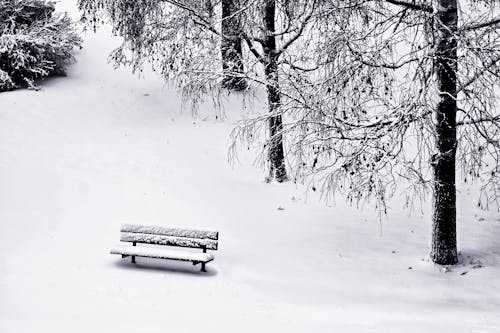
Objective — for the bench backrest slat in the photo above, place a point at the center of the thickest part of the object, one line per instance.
(170, 231)
(209, 244)
(200, 239)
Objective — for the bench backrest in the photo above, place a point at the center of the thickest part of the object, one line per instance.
(201, 239)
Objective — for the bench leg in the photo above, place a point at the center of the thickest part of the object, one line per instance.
(203, 267)
(133, 259)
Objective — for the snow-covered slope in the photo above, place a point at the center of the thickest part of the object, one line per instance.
(101, 147)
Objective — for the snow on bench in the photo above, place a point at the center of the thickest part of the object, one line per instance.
(167, 236)
(170, 231)
(169, 240)
(161, 253)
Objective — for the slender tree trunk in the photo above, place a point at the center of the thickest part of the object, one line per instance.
(276, 150)
(231, 49)
(444, 235)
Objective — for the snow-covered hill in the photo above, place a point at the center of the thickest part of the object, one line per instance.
(102, 147)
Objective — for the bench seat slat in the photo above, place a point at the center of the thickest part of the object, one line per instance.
(162, 253)
(170, 231)
(168, 240)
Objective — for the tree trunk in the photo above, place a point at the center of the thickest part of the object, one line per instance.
(444, 235)
(231, 48)
(276, 151)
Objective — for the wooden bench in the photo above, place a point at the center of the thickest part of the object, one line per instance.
(167, 236)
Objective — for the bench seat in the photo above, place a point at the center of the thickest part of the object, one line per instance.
(162, 253)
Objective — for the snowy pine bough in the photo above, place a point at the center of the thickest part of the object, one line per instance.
(35, 42)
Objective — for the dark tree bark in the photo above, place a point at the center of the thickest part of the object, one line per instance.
(444, 235)
(276, 150)
(231, 47)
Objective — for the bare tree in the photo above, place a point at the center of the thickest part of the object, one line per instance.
(396, 94)
(279, 40)
(183, 40)
(269, 59)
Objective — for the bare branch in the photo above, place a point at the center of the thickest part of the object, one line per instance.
(412, 5)
(481, 25)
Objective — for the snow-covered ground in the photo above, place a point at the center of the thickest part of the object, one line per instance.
(101, 147)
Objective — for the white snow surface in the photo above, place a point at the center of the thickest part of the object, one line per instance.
(168, 240)
(100, 147)
(170, 231)
(163, 253)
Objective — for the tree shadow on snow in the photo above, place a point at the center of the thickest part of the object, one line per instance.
(165, 266)
(477, 258)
